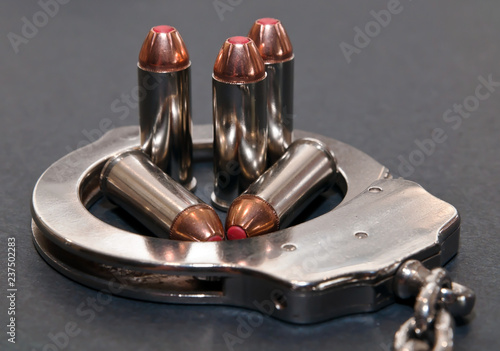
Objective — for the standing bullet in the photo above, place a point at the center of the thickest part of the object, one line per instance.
(307, 168)
(165, 105)
(240, 122)
(275, 48)
(164, 206)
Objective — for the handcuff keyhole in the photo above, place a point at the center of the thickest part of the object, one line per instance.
(279, 300)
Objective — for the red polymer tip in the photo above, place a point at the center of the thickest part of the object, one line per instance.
(238, 40)
(216, 238)
(267, 21)
(236, 232)
(163, 29)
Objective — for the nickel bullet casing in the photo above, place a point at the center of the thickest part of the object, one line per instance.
(276, 50)
(307, 168)
(240, 122)
(164, 74)
(164, 206)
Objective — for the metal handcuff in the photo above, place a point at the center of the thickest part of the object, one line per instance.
(375, 247)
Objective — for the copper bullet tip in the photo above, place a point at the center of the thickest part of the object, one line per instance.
(163, 50)
(197, 223)
(248, 216)
(239, 61)
(271, 40)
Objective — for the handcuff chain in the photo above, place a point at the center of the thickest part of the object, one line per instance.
(437, 301)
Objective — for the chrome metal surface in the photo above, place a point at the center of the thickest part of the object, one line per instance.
(240, 138)
(428, 299)
(437, 300)
(203, 137)
(280, 78)
(405, 340)
(275, 48)
(307, 273)
(443, 330)
(307, 169)
(134, 183)
(165, 121)
(412, 276)
(459, 300)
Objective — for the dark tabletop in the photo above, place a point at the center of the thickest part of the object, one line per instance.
(385, 94)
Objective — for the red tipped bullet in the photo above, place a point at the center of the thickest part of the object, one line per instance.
(307, 168)
(164, 206)
(276, 50)
(240, 122)
(165, 111)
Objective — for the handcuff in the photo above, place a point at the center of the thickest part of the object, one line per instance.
(384, 242)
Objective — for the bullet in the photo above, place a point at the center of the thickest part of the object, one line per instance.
(164, 77)
(240, 122)
(307, 168)
(276, 50)
(164, 206)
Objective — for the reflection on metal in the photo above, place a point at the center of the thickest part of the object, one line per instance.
(272, 202)
(306, 273)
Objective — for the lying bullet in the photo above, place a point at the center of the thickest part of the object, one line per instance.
(307, 168)
(240, 122)
(164, 206)
(275, 48)
(165, 105)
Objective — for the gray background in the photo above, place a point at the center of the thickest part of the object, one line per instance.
(65, 80)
